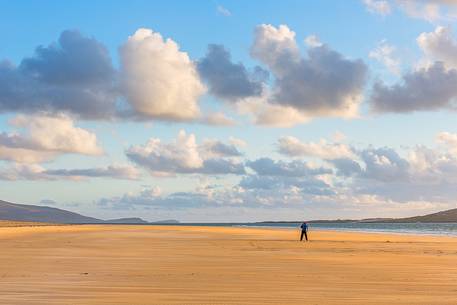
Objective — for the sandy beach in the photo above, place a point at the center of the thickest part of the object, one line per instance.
(113, 264)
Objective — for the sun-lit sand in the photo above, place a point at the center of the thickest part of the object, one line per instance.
(109, 264)
(13, 223)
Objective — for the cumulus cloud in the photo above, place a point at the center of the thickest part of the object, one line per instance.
(237, 142)
(380, 7)
(420, 166)
(72, 75)
(228, 80)
(324, 83)
(293, 147)
(45, 137)
(216, 148)
(381, 164)
(152, 198)
(313, 41)
(218, 119)
(384, 53)
(305, 185)
(158, 79)
(382, 178)
(346, 167)
(22, 172)
(219, 198)
(384, 164)
(185, 156)
(449, 140)
(296, 168)
(273, 45)
(266, 114)
(75, 76)
(37, 172)
(439, 45)
(430, 88)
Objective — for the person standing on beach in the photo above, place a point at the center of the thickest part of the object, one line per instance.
(304, 231)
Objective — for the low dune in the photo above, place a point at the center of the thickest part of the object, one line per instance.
(112, 264)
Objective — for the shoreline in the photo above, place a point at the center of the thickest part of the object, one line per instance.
(287, 233)
(19, 224)
(374, 231)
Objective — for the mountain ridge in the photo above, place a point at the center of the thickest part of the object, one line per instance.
(35, 213)
(445, 216)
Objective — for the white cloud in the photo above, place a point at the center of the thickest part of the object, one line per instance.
(380, 7)
(237, 142)
(384, 53)
(267, 114)
(158, 79)
(426, 89)
(371, 180)
(426, 10)
(73, 75)
(433, 11)
(295, 168)
(46, 137)
(228, 80)
(429, 87)
(449, 140)
(211, 148)
(291, 146)
(273, 44)
(218, 119)
(324, 83)
(185, 156)
(439, 45)
(313, 41)
(22, 172)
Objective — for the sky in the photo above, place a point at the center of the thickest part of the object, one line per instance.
(212, 111)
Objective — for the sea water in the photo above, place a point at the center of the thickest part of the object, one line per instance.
(449, 229)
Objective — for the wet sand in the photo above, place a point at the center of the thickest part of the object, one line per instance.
(117, 264)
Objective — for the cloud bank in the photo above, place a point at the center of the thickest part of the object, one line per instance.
(185, 156)
(45, 138)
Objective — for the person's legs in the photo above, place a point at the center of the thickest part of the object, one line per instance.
(306, 235)
(301, 236)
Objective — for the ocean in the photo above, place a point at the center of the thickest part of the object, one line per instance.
(446, 229)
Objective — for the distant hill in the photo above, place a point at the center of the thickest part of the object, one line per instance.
(23, 212)
(166, 222)
(443, 216)
(134, 220)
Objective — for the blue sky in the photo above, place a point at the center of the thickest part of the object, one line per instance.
(229, 110)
